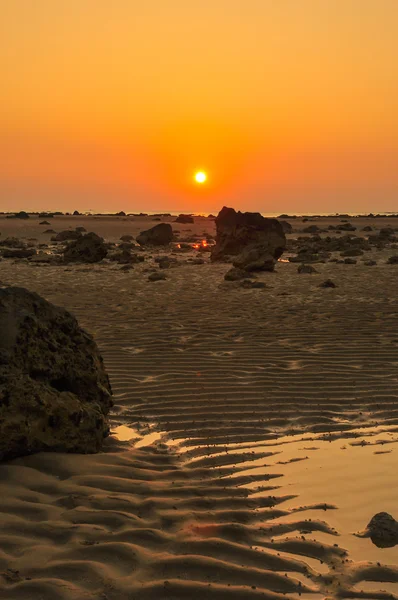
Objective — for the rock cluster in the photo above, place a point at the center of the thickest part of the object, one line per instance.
(251, 241)
(88, 248)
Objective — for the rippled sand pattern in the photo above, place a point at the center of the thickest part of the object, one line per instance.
(247, 388)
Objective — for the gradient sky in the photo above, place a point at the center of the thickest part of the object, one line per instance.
(289, 105)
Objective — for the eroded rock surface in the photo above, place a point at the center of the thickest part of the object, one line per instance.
(88, 248)
(54, 391)
(253, 241)
(160, 235)
(383, 530)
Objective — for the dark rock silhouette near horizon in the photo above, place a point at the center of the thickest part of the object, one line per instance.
(250, 240)
(159, 235)
(55, 394)
(87, 248)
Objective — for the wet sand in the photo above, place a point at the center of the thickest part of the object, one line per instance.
(255, 432)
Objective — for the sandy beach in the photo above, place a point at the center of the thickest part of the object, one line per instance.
(254, 432)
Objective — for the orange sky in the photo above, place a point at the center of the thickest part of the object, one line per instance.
(289, 105)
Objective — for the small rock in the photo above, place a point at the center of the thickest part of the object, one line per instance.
(184, 219)
(248, 284)
(236, 274)
(350, 261)
(393, 260)
(157, 276)
(328, 283)
(306, 269)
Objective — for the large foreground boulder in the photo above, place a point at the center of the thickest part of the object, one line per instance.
(383, 530)
(254, 241)
(54, 391)
(160, 235)
(89, 248)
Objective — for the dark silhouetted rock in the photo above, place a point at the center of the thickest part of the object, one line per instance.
(81, 229)
(370, 263)
(347, 227)
(121, 213)
(254, 259)
(124, 257)
(157, 276)
(287, 228)
(311, 229)
(306, 269)
(328, 283)
(66, 236)
(19, 215)
(235, 274)
(12, 242)
(18, 252)
(383, 530)
(248, 284)
(367, 228)
(49, 231)
(44, 258)
(352, 252)
(127, 238)
(350, 261)
(254, 241)
(54, 392)
(184, 219)
(76, 213)
(393, 260)
(44, 223)
(160, 235)
(386, 232)
(88, 248)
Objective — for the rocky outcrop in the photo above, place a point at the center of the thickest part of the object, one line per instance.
(12, 242)
(160, 235)
(54, 391)
(18, 252)
(254, 241)
(88, 248)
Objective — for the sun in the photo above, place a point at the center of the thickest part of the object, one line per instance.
(200, 177)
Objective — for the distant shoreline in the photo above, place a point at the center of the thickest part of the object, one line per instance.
(47, 214)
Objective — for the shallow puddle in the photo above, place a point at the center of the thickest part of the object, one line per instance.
(123, 433)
